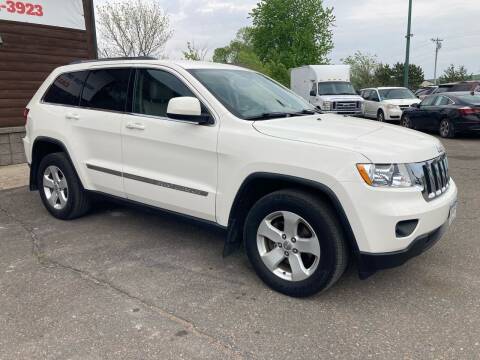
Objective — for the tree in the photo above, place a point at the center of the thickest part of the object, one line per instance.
(415, 75)
(132, 28)
(194, 53)
(452, 74)
(362, 69)
(383, 75)
(292, 32)
(240, 52)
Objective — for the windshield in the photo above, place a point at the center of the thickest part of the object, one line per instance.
(390, 94)
(249, 95)
(336, 88)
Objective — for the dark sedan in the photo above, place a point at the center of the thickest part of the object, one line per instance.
(448, 114)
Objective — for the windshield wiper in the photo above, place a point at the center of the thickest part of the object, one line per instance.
(270, 115)
(308, 112)
(274, 115)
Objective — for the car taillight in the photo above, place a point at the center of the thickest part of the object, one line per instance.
(464, 111)
(25, 114)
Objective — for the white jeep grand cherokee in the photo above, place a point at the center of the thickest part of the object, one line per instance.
(303, 191)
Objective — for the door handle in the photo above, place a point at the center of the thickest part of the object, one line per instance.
(72, 117)
(135, 126)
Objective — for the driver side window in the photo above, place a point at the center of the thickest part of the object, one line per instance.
(442, 101)
(374, 96)
(153, 91)
(428, 101)
(313, 90)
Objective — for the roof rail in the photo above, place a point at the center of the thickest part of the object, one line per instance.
(113, 59)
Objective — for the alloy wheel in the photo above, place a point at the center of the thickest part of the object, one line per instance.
(55, 187)
(444, 128)
(288, 246)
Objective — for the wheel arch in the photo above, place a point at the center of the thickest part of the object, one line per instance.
(43, 146)
(257, 185)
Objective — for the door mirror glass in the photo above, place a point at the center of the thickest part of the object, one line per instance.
(186, 108)
(313, 93)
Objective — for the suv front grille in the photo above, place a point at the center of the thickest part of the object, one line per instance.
(403, 107)
(346, 105)
(436, 178)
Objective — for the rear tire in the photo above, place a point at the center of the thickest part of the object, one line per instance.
(60, 188)
(446, 129)
(317, 252)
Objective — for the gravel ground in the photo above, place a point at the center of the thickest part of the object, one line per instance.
(125, 283)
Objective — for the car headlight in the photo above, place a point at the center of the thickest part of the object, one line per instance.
(393, 107)
(386, 175)
(326, 105)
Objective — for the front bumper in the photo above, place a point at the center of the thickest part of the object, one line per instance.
(393, 114)
(342, 112)
(369, 263)
(375, 213)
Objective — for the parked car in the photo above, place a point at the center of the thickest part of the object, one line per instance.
(327, 87)
(387, 103)
(442, 88)
(448, 114)
(422, 93)
(304, 191)
(469, 86)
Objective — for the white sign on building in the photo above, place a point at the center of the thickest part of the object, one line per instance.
(63, 13)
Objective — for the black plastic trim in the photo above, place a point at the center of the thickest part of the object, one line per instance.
(148, 180)
(36, 162)
(196, 119)
(233, 238)
(141, 205)
(372, 262)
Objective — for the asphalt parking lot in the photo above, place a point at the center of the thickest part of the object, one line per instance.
(125, 283)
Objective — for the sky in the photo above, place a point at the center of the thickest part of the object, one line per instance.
(376, 27)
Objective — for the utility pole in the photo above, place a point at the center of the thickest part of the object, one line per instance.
(407, 55)
(438, 46)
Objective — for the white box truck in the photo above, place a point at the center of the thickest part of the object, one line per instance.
(327, 87)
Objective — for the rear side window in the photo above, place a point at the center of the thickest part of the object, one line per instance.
(106, 89)
(66, 89)
(153, 91)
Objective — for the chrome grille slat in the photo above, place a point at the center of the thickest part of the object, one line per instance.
(435, 177)
(443, 177)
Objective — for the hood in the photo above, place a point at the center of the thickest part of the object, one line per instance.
(341, 98)
(379, 142)
(402, 101)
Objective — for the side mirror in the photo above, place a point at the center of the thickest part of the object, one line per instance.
(313, 93)
(188, 109)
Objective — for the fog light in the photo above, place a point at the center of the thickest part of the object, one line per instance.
(405, 228)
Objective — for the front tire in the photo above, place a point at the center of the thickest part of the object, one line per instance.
(295, 243)
(407, 122)
(446, 129)
(60, 189)
(381, 116)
